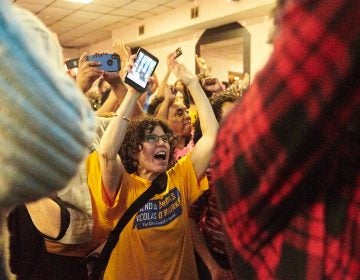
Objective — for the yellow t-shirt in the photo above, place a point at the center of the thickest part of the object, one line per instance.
(156, 243)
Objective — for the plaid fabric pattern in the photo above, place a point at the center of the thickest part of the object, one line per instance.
(286, 166)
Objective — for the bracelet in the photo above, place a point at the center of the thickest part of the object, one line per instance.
(125, 118)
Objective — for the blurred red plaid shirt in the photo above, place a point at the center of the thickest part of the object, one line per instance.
(287, 159)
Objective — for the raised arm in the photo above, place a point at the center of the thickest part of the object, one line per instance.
(163, 111)
(110, 164)
(161, 90)
(202, 151)
(117, 93)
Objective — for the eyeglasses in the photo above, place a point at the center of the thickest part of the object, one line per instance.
(152, 138)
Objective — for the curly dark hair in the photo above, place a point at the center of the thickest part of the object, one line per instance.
(216, 103)
(135, 136)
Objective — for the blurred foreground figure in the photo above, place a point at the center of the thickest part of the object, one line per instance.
(286, 165)
(46, 124)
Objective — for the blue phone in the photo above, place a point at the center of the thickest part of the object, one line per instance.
(109, 62)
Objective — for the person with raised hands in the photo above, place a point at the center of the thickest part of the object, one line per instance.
(132, 154)
(175, 113)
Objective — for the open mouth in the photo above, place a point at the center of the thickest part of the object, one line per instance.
(160, 155)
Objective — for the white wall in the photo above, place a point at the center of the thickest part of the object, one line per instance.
(260, 49)
(162, 49)
(220, 67)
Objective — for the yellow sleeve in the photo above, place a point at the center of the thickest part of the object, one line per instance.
(186, 177)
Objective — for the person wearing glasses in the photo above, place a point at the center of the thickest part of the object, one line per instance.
(156, 243)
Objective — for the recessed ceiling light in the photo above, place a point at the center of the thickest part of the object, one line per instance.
(80, 1)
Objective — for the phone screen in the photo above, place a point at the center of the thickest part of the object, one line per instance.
(144, 67)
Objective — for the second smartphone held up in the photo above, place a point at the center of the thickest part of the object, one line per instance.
(109, 62)
(144, 67)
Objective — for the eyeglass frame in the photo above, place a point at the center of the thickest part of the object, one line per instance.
(166, 138)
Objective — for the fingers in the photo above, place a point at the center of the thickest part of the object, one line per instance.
(149, 85)
(85, 63)
(151, 79)
(122, 49)
(130, 63)
(117, 43)
(82, 59)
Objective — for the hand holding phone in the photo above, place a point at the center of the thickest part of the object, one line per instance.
(143, 68)
(109, 62)
(177, 52)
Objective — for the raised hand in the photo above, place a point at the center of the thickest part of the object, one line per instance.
(201, 63)
(88, 72)
(124, 52)
(179, 70)
(214, 86)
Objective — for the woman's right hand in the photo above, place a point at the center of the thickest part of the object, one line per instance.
(128, 68)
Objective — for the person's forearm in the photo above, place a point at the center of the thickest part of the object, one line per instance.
(208, 122)
(114, 134)
(163, 112)
(119, 90)
(202, 151)
(110, 105)
(116, 96)
(160, 91)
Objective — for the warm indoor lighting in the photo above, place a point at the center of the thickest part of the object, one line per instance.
(80, 1)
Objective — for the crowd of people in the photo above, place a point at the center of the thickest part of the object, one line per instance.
(259, 183)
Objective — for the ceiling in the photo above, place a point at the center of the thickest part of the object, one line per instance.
(79, 25)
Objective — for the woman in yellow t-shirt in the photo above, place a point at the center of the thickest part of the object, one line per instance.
(156, 243)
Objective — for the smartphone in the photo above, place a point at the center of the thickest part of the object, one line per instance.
(144, 67)
(109, 62)
(177, 52)
(72, 63)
